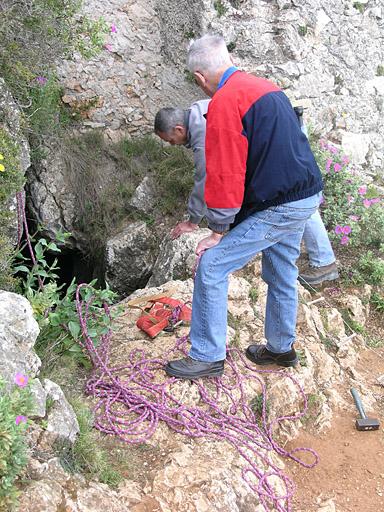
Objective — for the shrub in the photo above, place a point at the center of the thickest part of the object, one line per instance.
(14, 407)
(352, 211)
(104, 178)
(35, 35)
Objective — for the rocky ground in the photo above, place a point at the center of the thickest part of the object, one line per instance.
(172, 472)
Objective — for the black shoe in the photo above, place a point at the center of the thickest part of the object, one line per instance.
(317, 275)
(259, 354)
(188, 368)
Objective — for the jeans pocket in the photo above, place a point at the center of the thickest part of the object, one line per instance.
(288, 221)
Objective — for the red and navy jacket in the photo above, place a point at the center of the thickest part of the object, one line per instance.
(256, 153)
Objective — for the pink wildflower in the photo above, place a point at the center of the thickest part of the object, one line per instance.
(344, 240)
(350, 199)
(20, 419)
(337, 167)
(339, 230)
(367, 203)
(345, 160)
(328, 164)
(355, 218)
(322, 200)
(21, 380)
(375, 200)
(108, 47)
(333, 150)
(362, 190)
(323, 144)
(113, 28)
(347, 230)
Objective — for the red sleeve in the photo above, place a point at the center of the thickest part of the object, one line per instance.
(226, 152)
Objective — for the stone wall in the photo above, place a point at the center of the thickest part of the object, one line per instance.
(328, 56)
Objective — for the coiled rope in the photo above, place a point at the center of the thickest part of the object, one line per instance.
(132, 401)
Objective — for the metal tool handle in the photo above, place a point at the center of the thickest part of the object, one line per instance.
(358, 403)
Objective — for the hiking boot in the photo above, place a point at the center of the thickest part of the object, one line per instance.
(188, 368)
(317, 275)
(259, 354)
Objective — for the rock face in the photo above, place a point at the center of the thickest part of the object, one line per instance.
(327, 56)
(18, 333)
(129, 258)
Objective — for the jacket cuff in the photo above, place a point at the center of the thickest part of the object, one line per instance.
(218, 228)
(195, 220)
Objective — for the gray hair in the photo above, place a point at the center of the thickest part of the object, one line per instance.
(208, 53)
(168, 118)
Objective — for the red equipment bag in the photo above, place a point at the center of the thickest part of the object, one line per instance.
(163, 313)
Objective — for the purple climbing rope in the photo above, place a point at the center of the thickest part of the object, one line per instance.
(132, 401)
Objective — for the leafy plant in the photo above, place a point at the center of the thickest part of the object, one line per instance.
(221, 9)
(377, 301)
(14, 406)
(55, 311)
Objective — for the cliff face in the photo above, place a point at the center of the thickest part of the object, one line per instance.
(327, 56)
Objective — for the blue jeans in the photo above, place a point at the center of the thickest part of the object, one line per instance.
(316, 241)
(277, 233)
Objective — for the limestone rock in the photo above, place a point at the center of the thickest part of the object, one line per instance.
(53, 490)
(39, 399)
(18, 333)
(62, 423)
(129, 258)
(144, 198)
(176, 258)
(359, 312)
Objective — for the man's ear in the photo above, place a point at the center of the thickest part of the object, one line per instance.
(200, 79)
(180, 129)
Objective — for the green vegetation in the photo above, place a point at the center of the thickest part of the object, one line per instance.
(256, 405)
(302, 30)
(367, 269)
(377, 301)
(221, 9)
(380, 70)
(253, 294)
(35, 34)
(105, 177)
(60, 330)
(11, 181)
(359, 6)
(88, 456)
(14, 407)
(231, 46)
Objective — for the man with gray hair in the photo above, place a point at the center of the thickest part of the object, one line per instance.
(263, 180)
(187, 128)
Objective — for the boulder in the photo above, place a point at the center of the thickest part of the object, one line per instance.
(129, 258)
(18, 333)
(177, 258)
